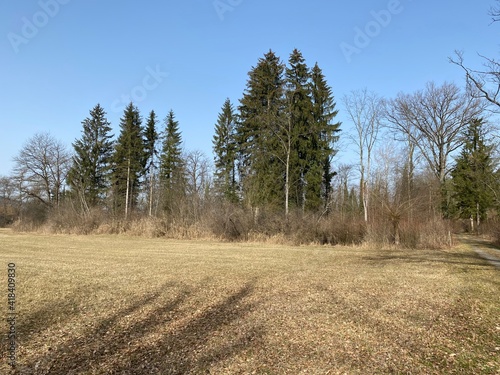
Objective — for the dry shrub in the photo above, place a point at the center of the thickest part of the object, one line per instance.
(311, 229)
(379, 232)
(432, 234)
(418, 233)
(228, 222)
(435, 234)
(66, 220)
(32, 216)
(8, 214)
(348, 232)
(146, 226)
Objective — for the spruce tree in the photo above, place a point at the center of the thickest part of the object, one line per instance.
(172, 177)
(262, 118)
(324, 114)
(224, 146)
(151, 137)
(90, 170)
(304, 167)
(474, 177)
(129, 161)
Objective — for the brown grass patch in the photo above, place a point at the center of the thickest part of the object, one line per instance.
(128, 305)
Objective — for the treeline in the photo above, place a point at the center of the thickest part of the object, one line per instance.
(427, 164)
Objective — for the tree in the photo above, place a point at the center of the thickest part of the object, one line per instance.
(473, 177)
(432, 120)
(91, 164)
(172, 167)
(197, 180)
(484, 83)
(324, 113)
(224, 146)
(303, 169)
(129, 161)
(261, 119)
(41, 168)
(151, 137)
(364, 110)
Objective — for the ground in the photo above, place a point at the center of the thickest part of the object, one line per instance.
(129, 305)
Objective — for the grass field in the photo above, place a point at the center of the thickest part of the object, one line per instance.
(127, 305)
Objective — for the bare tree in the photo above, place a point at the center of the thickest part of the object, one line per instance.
(484, 83)
(364, 110)
(197, 174)
(495, 12)
(341, 182)
(432, 120)
(41, 168)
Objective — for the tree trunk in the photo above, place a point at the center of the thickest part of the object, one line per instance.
(395, 224)
(151, 177)
(287, 181)
(127, 190)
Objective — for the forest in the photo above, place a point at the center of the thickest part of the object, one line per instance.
(427, 166)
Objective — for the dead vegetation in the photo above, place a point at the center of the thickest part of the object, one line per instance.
(127, 305)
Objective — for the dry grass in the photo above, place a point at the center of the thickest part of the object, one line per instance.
(127, 305)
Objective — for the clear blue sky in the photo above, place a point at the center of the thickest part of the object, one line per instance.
(62, 57)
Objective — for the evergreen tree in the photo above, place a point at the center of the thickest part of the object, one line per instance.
(324, 114)
(262, 118)
(151, 139)
(89, 173)
(129, 161)
(304, 167)
(172, 169)
(225, 153)
(473, 178)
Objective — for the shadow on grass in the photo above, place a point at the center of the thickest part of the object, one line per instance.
(43, 318)
(112, 347)
(464, 259)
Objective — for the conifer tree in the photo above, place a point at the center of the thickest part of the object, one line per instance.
(151, 139)
(324, 114)
(129, 161)
(262, 117)
(304, 167)
(90, 170)
(172, 171)
(224, 146)
(474, 178)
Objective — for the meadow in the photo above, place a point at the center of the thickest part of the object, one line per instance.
(116, 304)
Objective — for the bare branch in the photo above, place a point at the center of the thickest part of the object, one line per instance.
(482, 83)
(495, 12)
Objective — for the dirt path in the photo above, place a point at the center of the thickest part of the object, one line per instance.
(483, 248)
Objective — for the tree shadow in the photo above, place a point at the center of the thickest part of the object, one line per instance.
(464, 259)
(67, 307)
(112, 348)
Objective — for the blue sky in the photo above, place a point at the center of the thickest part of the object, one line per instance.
(62, 57)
